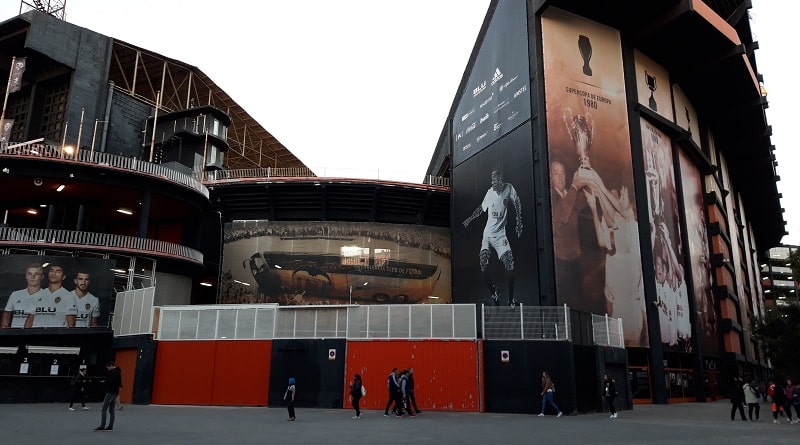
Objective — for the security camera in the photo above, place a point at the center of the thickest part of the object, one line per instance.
(37, 182)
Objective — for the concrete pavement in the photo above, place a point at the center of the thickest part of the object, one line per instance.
(687, 423)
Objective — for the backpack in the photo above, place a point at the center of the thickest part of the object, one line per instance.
(363, 390)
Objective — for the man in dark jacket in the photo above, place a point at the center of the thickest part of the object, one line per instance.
(113, 383)
(394, 395)
(737, 398)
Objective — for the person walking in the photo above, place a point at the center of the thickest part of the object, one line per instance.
(113, 383)
(412, 400)
(289, 397)
(737, 399)
(792, 399)
(404, 392)
(78, 389)
(609, 394)
(357, 391)
(751, 398)
(393, 386)
(779, 403)
(548, 390)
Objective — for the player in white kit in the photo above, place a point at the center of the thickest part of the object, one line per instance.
(20, 302)
(88, 305)
(55, 306)
(495, 204)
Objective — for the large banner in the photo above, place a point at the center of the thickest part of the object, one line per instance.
(674, 317)
(44, 291)
(496, 99)
(595, 228)
(494, 242)
(299, 263)
(699, 257)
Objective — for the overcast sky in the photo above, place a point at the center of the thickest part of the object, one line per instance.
(362, 88)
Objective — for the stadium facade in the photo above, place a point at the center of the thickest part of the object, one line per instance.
(599, 168)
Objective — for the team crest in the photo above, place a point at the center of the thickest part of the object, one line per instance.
(88, 306)
(58, 299)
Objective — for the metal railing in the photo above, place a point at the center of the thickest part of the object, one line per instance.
(268, 172)
(526, 323)
(291, 172)
(39, 237)
(270, 321)
(51, 152)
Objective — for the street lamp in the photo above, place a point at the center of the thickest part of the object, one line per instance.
(351, 291)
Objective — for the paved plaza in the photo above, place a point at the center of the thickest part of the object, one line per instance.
(687, 423)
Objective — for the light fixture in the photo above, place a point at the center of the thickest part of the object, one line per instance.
(241, 282)
(125, 211)
(206, 284)
(433, 297)
(33, 211)
(61, 187)
(119, 270)
(69, 149)
(42, 205)
(277, 266)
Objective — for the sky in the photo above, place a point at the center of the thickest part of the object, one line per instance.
(362, 88)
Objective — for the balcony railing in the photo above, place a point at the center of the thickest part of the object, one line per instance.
(294, 172)
(12, 236)
(50, 152)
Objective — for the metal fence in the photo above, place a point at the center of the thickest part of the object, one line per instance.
(526, 322)
(607, 331)
(270, 321)
(38, 237)
(442, 321)
(133, 312)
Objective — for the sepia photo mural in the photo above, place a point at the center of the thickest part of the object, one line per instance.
(699, 256)
(302, 263)
(595, 228)
(665, 237)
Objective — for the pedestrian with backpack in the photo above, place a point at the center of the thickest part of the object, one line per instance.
(751, 397)
(357, 391)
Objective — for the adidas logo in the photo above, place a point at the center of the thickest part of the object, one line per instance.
(497, 76)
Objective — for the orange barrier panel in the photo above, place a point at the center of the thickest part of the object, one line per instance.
(445, 372)
(241, 373)
(126, 361)
(184, 372)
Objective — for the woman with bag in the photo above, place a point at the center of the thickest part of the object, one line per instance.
(357, 391)
(548, 389)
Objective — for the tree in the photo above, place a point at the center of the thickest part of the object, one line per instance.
(779, 333)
